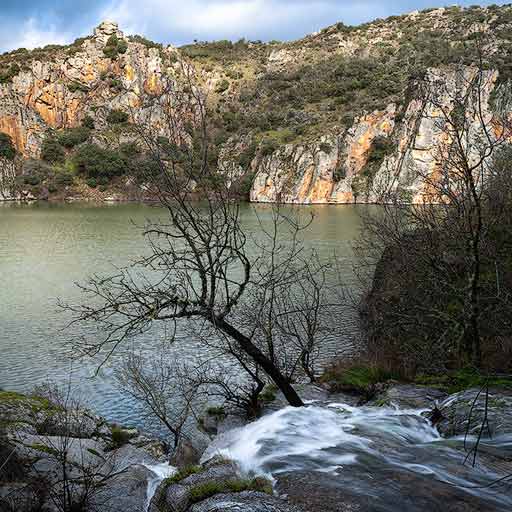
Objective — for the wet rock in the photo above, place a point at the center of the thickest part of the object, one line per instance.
(185, 454)
(177, 496)
(465, 411)
(154, 447)
(190, 449)
(308, 393)
(248, 501)
(378, 490)
(408, 396)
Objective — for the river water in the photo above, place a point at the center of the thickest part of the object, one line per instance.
(381, 458)
(46, 248)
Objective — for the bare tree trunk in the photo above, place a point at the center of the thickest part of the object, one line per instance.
(270, 369)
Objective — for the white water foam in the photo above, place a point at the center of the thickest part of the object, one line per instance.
(160, 472)
(334, 438)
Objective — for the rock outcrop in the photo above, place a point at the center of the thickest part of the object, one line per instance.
(475, 410)
(331, 118)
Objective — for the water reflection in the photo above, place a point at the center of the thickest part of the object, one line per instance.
(46, 248)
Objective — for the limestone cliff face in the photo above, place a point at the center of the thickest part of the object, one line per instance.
(322, 172)
(60, 92)
(334, 169)
(326, 119)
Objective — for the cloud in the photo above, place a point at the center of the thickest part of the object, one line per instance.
(178, 22)
(34, 23)
(32, 35)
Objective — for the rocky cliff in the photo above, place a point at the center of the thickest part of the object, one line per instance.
(332, 118)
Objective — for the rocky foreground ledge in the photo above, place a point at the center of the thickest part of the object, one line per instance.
(218, 478)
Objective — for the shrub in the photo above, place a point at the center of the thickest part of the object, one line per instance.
(215, 411)
(71, 137)
(117, 117)
(269, 393)
(246, 156)
(356, 377)
(52, 151)
(207, 489)
(325, 148)
(63, 179)
(268, 147)
(182, 474)
(222, 86)
(77, 86)
(142, 40)
(119, 436)
(7, 149)
(93, 161)
(340, 173)
(114, 47)
(7, 74)
(88, 122)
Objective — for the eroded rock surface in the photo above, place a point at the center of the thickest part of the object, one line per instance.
(464, 413)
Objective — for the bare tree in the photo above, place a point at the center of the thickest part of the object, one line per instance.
(202, 266)
(443, 250)
(162, 385)
(66, 470)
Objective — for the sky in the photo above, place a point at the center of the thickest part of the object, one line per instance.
(34, 23)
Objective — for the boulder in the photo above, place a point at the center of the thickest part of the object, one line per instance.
(125, 491)
(154, 447)
(408, 396)
(190, 449)
(247, 501)
(381, 490)
(465, 411)
(177, 496)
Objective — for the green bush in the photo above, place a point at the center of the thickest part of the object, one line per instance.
(71, 137)
(222, 86)
(92, 161)
(114, 47)
(205, 490)
(117, 117)
(88, 122)
(119, 436)
(269, 393)
(325, 148)
(52, 151)
(77, 86)
(360, 379)
(8, 73)
(246, 156)
(7, 149)
(63, 179)
(216, 411)
(182, 474)
(142, 40)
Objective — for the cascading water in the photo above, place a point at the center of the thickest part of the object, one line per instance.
(160, 472)
(365, 449)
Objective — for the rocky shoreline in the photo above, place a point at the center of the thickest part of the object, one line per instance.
(205, 479)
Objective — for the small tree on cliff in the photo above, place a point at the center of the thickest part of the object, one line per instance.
(202, 267)
(441, 280)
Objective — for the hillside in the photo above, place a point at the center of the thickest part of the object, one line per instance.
(325, 119)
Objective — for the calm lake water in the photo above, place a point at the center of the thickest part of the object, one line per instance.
(46, 248)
